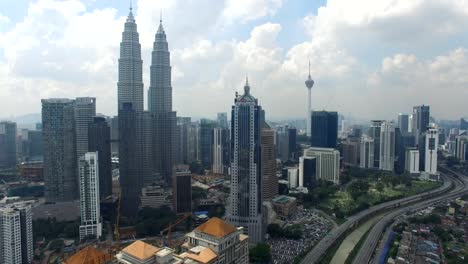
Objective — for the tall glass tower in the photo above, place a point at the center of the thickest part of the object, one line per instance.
(246, 183)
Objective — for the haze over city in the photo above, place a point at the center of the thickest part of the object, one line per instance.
(367, 57)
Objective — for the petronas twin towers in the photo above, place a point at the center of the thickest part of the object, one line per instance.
(146, 138)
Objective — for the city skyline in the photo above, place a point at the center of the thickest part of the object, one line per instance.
(233, 43)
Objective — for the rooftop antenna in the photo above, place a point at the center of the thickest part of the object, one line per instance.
(160, 15)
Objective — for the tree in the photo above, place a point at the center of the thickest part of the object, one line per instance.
(380, 186)
(358, 188)
(260, 254)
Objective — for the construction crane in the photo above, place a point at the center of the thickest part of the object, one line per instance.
(169, 228)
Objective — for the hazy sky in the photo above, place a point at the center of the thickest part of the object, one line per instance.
(370, 58)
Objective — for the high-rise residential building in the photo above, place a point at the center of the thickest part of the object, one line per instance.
(160, 105)
(90, 210)
(387, 146)
(402, 142)
(7, 144)
(351, 152)
(130, 109)
(366, 160)
(403, 121)
(220, 150)
(307, 171)
(16, 234)
(309, 84)
(246, 183)
(432, 142)
(327, 163)
(85, 110)
(268, 167)
(99, 140)
(131, 178)
(222, 120)
(130, 84)
(374, 133)
(206, 141)
(60, 162)
(461, 146)
(412, 160)
(324, 129)
(182, 192)
(421, 115)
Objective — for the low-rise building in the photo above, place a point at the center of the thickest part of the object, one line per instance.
(284, 206)
(153, 196)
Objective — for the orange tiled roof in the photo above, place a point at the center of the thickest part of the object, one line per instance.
(88, 255)
(204, 256)
(216, 227)
(141, 250)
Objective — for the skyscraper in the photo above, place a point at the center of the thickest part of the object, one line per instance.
(130, 108)
(160, 105)
(89, 196)
(16, 234)
(421, 116)
(182, 192)
(309, 83)
(60, 162)
(206, 141)
(324, 129)
(99, 141)
(85, 110)
(327, 163)
(222, 120)
(374, 133)
(220, 150)
(387, 146)
(7, 144)
(432, 142)
(268, 167)
(367, 153)
(246, 184)
(403, 121)
(183, 124)
(351, 152)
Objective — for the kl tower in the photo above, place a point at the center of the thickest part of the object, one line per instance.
(309, 83)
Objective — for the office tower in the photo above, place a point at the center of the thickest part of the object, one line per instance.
(420, 120)
(327, 163)
(403, 121)
(374, 133)
(268, 163)
(85, 110)
(193, 141)
(183, 124)
(356, 132)
(7, 144)
(307, 171)
(432, 142)
(220, 150)
(114, 134)
(412, 160)
(292, 137)
(16, 234)
(293, 177)
(410, 123)
(387, 146)
(60, 162)
(442, 136)
(463, 124)
(402, 142)
(182, 192)
(324, 129)
(282, 138)
(149, 172)
(99, 141)
(222, 120)
(131, 178)
(309, 83)
(461, 147)
(130, 108)
(90, 211)
(130, 83)
(366, 160)
(160, 105)
(206, 142)
(35, 143)
(351, 152)
(245, 195)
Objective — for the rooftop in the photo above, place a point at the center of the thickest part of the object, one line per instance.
(282, 199)
(141, 250)
(216, 227)
(88, 255)
(200, 254)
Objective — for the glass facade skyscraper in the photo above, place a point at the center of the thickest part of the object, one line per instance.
(324, 129)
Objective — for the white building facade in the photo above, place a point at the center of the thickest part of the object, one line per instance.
(327, 163)
(432, 141)
(412, 161)
(89, 196)
(367, 153)
(387, 146)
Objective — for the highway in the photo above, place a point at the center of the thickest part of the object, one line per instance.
(319, 251)
(368, 247)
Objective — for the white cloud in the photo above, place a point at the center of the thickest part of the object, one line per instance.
(246, 10)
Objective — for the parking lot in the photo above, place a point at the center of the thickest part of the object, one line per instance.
(315, 228)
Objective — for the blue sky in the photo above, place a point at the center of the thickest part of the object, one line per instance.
(370, 59)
